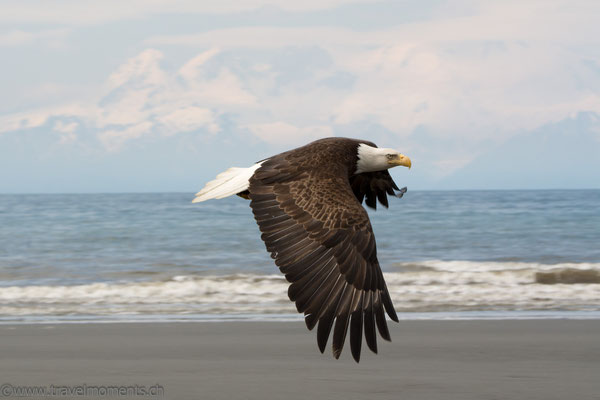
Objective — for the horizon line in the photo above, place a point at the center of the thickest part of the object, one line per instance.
(192, 192)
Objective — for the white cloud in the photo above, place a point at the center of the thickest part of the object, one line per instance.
(535, 21)
(268, 37)
(483, 75)
(65, 127)
(113, 139)
(25, 120)
(86, 13)
(192, 70)
(282, 133)
(225, 89)
(67, 130)
(141, 70)
(130, 107)
(141, 98)
(503, 68)
(52, 38)
(188, 119)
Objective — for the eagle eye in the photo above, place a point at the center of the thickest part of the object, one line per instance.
(390, 156)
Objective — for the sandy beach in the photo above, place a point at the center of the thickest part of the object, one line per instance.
(505, 359)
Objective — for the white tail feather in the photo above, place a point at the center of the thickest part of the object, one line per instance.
(230, 182)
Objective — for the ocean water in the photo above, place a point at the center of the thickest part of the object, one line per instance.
(505, 254)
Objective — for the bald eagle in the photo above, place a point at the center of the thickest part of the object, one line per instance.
(307, 203)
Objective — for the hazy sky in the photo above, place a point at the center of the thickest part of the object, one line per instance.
(155, 95)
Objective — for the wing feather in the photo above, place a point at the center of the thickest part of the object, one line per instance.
(304, 301)
(326, 305)
(302, 290)
(341, 321)
(356, 328)
(370, 334)
(381, 322)
(321, 238)
(374, 186)
(326, 320)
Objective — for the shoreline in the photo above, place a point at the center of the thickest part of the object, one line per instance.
(429, 359)
(296, 317)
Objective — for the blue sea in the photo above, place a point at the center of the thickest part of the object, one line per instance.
(157, 256)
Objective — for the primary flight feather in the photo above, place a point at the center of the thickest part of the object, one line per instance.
(307, 203)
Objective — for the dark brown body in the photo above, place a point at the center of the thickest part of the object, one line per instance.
(307, 203)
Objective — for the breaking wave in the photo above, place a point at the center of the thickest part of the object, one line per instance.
(428, 286)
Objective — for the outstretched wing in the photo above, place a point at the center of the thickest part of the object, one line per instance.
(373, 186)
(321, 239)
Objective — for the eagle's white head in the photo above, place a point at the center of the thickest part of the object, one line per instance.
(372, 159)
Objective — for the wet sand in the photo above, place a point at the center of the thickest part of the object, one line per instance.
(505, 359)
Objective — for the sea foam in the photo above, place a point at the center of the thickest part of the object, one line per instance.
(428, 286)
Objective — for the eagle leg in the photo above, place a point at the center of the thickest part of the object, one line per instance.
(401, 192)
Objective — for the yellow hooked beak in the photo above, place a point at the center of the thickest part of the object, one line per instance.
(402, 160)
